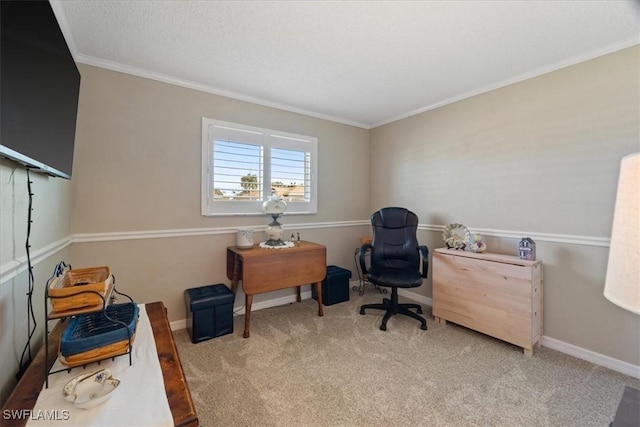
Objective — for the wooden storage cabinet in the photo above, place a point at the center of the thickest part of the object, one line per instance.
(498, 295)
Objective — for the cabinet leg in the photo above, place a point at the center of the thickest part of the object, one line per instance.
(528, 352)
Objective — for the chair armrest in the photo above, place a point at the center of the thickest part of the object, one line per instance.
(363, 251)
(424, 251)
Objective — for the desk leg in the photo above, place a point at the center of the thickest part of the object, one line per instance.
(319, 296)
(248, 299)
(236, 273)
(298, 297)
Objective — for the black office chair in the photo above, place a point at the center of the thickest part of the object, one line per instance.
(395, 261)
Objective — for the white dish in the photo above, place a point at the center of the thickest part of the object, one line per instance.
(456, 236)
(89, 390)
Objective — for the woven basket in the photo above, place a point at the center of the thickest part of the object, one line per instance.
(91, 337)
(70, 291)
(97, 354)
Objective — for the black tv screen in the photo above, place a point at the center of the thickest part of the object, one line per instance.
(39, 86)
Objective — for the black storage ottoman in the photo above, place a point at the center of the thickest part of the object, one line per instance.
(209, 311)
(335, 286)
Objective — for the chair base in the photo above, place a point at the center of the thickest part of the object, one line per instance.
(392, 307)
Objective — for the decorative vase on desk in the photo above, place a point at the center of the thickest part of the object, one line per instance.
(476, 244)
(274, 232)
(244, 238)
(274, 207)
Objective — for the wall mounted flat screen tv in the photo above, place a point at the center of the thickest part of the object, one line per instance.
(39, 86)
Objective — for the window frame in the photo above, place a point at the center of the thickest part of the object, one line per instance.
(267, 139)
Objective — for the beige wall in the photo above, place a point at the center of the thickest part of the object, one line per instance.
(138, 149)
(137, 169)
(537, 158)
(49, 240)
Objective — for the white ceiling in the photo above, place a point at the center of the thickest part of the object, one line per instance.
(363, 63)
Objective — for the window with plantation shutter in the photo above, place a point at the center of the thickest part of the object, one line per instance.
(242, 165)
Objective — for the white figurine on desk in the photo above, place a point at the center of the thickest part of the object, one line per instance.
(477, 245)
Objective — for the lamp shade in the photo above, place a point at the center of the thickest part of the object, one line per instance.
(274, 205)
(622, 284)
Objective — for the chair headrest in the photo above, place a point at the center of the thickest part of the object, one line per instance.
(394, 217)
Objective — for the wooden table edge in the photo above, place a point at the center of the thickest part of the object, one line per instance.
(26, 392)
(175, 383)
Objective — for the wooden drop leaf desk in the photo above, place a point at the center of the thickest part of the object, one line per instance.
(264, 270)
(26, 393)
(498, 295)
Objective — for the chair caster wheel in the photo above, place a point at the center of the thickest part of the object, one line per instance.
(383, 327)
(423, 327)
(419, 311)
(362, 311)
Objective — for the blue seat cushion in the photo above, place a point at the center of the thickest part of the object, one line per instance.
(396, 277)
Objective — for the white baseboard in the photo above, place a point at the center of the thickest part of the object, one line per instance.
(275, 302)
(417, 298)
(593, 357)
(570, 349)
(176, 325)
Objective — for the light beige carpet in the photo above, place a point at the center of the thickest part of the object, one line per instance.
(298, 369)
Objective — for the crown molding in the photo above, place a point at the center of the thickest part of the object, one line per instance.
(152, 75)
(517, 79)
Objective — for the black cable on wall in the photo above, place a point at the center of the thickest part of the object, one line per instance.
(31, 318)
